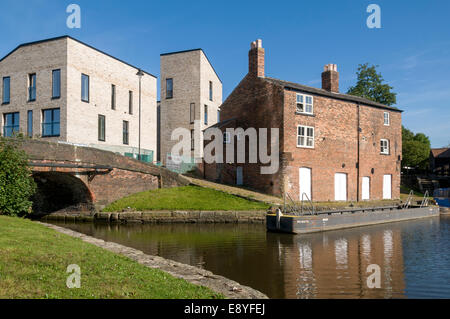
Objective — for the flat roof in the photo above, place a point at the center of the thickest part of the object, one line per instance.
(69, 37)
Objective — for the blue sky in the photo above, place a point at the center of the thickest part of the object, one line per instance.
(412, 48)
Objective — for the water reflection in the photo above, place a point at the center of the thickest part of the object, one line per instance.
(323, 265)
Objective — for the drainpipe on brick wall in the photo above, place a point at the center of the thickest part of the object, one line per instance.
(357, 163)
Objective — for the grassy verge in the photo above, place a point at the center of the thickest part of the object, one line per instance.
(34, 260)
(184, 198)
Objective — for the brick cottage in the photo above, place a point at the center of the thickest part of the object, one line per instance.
(333, 146)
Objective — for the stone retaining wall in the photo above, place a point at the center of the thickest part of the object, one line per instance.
(163, 217)
(227, 287)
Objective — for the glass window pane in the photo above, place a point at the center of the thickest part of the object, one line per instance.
(56, 129)
(169, 88)
(6, 89)
(309, 99)
(30, 124)
(210, 91)
(302, 140)
(130, 102)
(56, 91)
(32, 87)
(84, 87)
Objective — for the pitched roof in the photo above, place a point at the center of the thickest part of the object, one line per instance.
(322, 92)
(199, 49)
(69, 37)
(222, 123)
(441, 152)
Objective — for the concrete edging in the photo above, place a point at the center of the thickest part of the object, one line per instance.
(227, 287)
(164, 217)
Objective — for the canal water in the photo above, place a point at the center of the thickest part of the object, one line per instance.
(413, 256)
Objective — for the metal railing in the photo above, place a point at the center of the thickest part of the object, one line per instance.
(294, 209)
(312, 211)
(408, 200)
(425, 200)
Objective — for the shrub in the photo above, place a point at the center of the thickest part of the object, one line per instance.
(16, 182)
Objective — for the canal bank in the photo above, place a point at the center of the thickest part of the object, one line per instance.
(37, 262)
(227, 287)
(329, 264)
(160, 217)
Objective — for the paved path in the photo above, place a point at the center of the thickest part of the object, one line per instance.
(237, 191)
(229, 288)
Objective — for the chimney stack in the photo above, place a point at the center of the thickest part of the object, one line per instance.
(330, 78)
(256, 59)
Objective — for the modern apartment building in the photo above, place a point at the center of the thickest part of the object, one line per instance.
(333, 146)
(191, 91)
(62, 89)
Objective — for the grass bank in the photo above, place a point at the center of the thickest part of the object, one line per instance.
(34, 260)
(184, 198)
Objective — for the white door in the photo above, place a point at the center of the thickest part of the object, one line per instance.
(305, 182)
(387, 188)
(239, 176)
(365, 188)
(340, 186)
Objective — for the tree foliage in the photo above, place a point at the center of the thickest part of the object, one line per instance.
(415, 149)
(370, 86)
(16, 182)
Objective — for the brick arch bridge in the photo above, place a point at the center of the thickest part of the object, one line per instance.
(74, 176)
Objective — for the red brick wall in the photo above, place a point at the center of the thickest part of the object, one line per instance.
(260, 104)
(336, 147)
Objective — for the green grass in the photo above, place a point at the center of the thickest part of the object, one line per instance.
(34, 260)
(405, 190)
(184, 198)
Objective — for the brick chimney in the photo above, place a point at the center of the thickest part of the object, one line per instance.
(256, 59)
(330, 78)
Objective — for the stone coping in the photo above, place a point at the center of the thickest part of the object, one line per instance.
(229, 288)
(163, 217)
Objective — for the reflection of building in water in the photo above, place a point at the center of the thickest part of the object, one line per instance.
(334, 264)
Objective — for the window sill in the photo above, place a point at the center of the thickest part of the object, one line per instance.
(56, 98)
(305, 114)
(307, 147)
(5, 103)
(31, 101)
(385, 154)
(46, 136)
(169, 98)
(85, 101)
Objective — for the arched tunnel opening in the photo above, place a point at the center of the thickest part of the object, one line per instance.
(58, 191)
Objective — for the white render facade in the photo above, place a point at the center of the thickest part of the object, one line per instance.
(196, 95)
(42, 96)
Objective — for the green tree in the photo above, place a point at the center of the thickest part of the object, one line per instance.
(16, 182)
(415, 149)
(370, 86)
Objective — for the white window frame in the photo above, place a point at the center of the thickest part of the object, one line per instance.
(305, 136)
(304, 96)
(384, 149)
(388, 118)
